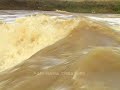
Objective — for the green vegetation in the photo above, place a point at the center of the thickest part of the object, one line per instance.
(71, 6)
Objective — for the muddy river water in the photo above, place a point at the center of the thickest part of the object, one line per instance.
(67, 52)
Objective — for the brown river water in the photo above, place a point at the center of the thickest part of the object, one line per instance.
(86, 58)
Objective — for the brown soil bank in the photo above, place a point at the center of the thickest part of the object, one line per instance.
(71, 6)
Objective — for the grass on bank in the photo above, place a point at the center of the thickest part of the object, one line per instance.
(71, 6)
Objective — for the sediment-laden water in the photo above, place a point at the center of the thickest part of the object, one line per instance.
(59, 51)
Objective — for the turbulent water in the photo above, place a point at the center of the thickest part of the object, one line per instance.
(88, 58)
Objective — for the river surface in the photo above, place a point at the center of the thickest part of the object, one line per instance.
(112, 20)
(87, 59)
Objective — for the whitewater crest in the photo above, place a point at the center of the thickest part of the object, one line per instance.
(24, 37)
(59, 54)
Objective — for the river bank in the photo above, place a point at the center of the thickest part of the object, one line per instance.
(70, 6)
